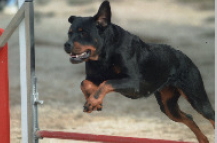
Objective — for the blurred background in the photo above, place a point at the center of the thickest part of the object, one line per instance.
(187, 25)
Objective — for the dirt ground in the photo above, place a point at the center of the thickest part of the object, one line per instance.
(188, 27)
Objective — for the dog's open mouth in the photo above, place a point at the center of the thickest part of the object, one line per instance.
(78, 58)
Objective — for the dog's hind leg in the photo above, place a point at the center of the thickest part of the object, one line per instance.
(200, 102)
(191, 86)
(167, 99)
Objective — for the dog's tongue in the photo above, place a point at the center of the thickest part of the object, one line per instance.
(74, 56)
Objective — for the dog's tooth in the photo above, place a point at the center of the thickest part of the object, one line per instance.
(83, 53)
(79, 56)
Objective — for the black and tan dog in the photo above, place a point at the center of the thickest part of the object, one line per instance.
(119, 61)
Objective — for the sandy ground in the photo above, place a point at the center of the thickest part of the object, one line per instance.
(186, 26)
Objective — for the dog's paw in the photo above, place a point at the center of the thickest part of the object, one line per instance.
(92, 104)
(86, 108)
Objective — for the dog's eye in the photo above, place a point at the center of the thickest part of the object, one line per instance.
(70, 32)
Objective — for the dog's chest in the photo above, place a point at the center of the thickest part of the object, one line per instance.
(102, 71)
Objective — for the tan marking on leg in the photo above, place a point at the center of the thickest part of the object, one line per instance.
(95, 99)
(213, 123)
(168, 93)
(88, 88)
(184, 95)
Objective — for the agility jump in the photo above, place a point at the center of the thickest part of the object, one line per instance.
(31, 132)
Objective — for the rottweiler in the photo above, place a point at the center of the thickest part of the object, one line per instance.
(118, 61)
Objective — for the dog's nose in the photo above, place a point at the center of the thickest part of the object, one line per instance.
(67, 47)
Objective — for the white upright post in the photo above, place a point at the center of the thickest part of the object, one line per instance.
(25, 38)
(23, 79)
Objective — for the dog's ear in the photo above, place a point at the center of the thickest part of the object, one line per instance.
(103, 16)
(71, 19)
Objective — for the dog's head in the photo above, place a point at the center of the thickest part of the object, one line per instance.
(85, 35)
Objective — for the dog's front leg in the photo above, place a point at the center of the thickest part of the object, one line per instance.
(95, 99)
(128, 86)
(88, 87)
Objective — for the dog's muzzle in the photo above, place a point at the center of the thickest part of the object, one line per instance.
(76, 58)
